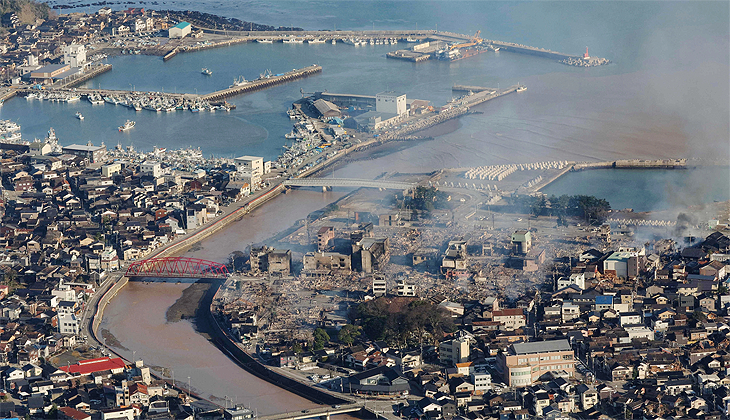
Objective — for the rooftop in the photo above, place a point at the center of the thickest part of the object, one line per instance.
(181, 25)
(86, 367)
(541, 347)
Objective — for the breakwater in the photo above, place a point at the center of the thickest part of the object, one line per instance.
(633, 164)
(617, 164)
(262, 83)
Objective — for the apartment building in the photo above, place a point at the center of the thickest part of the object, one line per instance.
(523, 363)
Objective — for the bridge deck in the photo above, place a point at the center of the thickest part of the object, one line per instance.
(348, 182)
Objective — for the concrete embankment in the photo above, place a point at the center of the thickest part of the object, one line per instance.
(219, 224)
(225, 342)
(101, 304)
(87, 75)
(617, 164)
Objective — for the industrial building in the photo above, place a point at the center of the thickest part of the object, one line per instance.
(51, 72)
(327, 109)
(391, 103)
(92, 153)
(524, 363)
(181, 30)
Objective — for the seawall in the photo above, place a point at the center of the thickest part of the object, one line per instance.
(221, 339)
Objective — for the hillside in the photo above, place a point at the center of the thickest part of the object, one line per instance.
(26, 10)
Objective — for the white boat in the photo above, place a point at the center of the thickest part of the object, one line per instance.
(206, 71)
(80, 116)
(294, 40)
(521, 88)
(127, 125)
(316, 41)
(334, 41)
(265, 41)
(240, 81)
(409, 39)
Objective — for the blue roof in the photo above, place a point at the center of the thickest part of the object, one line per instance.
(604, 300)
(181, 25)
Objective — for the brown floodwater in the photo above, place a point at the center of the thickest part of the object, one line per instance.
(136, 316)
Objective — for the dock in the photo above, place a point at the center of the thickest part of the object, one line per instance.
(88, 74)
(466, 88)
(262, 83)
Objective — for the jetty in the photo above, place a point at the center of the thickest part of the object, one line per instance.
(262, 83)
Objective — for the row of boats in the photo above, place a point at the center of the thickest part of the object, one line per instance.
(53, 96)
(370, 41)
(162, 103)
(10, 131)
(349, 41)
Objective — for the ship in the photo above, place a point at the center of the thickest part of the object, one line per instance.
(240, 81)
(127, 125)
(80, 116)
(459, 53)
(206, 71)
(265, 41)
(294, 40)
(95, 99)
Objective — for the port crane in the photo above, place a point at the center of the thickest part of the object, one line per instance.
(475, 40)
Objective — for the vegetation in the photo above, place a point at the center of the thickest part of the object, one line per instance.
(402, 322)
(320, 338)
(28, 11)
(586, 207)
(348, 334)
(426, 199)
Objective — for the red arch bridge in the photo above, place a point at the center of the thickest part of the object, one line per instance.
(177, 267)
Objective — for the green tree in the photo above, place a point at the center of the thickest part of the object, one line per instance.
(297, 348)
(320, 338)
(348, 334)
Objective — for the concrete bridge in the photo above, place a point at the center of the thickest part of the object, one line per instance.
(323, 413)
(348, 182)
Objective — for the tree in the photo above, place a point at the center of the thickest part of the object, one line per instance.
(320, 338)
(297, 348)
(347, 334)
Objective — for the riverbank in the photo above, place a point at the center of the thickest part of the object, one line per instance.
(188, 306)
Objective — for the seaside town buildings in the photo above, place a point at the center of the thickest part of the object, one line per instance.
(622, 331)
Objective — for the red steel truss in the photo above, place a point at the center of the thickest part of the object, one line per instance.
(177, 267)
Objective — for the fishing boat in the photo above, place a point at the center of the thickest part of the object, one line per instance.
(127, 125)
(521, 88)
(206, 71)
(316, 41)
(240, 81)
(80, 116)
(265, 41)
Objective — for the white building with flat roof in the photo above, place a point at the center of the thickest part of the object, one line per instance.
(252, 164)
(151, 168)
(74, 55)
(391, 102)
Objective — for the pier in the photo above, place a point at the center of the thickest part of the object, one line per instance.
(475, 89)
(262, 83)
(90, 73)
